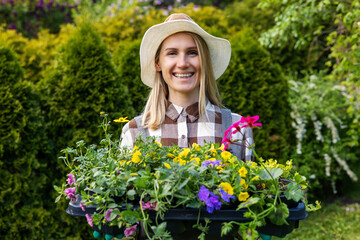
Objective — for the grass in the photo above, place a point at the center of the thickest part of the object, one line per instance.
(335, 221)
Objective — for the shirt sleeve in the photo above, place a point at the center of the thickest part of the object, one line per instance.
(126, 137)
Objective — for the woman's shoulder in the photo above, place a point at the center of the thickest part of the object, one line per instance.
(133, 125)
(235, 117)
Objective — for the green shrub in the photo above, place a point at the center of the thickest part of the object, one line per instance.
(254, 85)
(245, 13)
(127, 62)
(82, 83)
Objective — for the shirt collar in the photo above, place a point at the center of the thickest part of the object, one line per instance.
(173, 111)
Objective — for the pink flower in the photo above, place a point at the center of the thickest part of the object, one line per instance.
(108, 214)
(250, 121)
(82, 207)
(149, 205)
(130, 231)
(71, 179)
(70, 192)
(89, 220)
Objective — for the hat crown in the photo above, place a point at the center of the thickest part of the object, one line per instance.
(178, 16)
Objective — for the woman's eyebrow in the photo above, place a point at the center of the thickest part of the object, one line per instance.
(174, 49)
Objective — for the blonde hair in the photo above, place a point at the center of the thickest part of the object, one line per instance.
(155, 108)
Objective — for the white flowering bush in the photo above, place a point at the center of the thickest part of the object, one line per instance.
(325, 152)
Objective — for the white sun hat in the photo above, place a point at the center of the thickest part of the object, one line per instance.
(219, 48)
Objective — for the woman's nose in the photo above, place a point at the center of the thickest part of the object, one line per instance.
(182, 61)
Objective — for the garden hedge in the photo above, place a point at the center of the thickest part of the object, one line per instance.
(26, 169)
(254, 85)
(54, 91)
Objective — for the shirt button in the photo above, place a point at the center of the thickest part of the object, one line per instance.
(183, 136)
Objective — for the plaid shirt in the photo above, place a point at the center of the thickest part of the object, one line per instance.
(183, 127)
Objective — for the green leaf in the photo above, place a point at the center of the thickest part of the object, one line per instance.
(130, 217)
(113, 205)
(293, 192)
(251, 201)
(57, 199)
(160, 229)
(131, 194)
(275, 173)
(279, 214)
(97, 190)
(166, 191)
(98, 173)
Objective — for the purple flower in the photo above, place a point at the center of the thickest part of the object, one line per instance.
(108, 214)
(71, 179)
(149, 205)
(70, 192)
(82, 207)
(89, 220)
(214, 163)
(225, 196)
(212, 203)
(204, 193)
(11, 26)
(130, 231)
(118, 172)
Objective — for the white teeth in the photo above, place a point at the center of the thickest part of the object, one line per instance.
(185, 75)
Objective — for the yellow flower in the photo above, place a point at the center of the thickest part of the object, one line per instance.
(243, 196)
(167, 165)
(213, 150)
(159, 143)
(184, 153)
(133, 174)
(221, 148)
(121, 120)
(226, 155)
(243, 172)
(243, 183)
(196, 161)
(135, 147)
(135, 158)
(254, 178)
(182, 162)
(101, 113)
(170, 155)
(227, 187)
(220, 168)
(252, 164)
(196, 146)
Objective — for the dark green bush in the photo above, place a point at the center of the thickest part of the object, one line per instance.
(254, 85)
(127, 62)
(83, 83)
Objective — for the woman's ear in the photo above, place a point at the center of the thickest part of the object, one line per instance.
(157, 67)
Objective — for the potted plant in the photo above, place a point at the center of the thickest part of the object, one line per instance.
(218, 194)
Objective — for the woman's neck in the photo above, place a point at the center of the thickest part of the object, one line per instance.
(183, 100)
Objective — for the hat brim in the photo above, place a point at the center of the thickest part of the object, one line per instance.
(219, 48)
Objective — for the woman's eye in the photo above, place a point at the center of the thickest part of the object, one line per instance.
(193, 52)
(171, 53)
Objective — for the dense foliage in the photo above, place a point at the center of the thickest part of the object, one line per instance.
(56, 78)
(29, 16)
(253, 83)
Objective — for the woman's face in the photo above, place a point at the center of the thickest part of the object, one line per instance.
(179, 64)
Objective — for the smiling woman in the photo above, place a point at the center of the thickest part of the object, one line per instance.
(181, 63)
